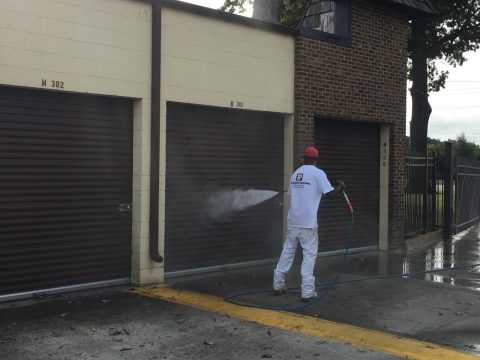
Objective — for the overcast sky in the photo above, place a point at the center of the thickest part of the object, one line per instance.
(456, 109)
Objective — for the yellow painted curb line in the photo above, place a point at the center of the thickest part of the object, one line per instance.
(369, 339)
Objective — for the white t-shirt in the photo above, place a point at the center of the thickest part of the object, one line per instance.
(307, 185)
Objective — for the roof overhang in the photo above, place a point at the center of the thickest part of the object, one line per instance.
(414, 8)
(224, 16)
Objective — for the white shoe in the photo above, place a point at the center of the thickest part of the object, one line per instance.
(310, 297)
(281, 290)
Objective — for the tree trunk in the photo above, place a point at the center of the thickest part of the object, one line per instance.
(421, 108)
(266, 10)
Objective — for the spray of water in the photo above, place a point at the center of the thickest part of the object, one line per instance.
(221, 204)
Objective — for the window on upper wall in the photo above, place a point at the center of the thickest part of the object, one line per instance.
(329, 17)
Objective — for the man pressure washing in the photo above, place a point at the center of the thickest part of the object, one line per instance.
(307, 185)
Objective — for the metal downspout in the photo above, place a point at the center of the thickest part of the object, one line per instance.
(155, 132)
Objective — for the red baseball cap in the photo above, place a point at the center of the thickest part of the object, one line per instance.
(310, 152)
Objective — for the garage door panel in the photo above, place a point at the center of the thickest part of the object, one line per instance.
(52, 237)
(73, 104)
(94, 120)
(57, 279)
(213, 149)
(349, 151)
(58, 123)
(66, 165)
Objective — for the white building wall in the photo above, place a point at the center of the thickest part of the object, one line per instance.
(104, 47)
(94, 46)
(208, 61)
(88, 46)
(214, 62)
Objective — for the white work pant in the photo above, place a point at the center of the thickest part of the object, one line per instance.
(308, 239)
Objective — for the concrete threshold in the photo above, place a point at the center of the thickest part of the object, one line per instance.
(424, 241)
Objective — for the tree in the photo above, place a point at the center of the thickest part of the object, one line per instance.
(289, 11)
(461, 146)
(266, 10)
(446, 37)
(465, 148)
(233, 5)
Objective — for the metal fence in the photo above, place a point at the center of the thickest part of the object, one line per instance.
(442, 194)
(423, 195)
(467, 194)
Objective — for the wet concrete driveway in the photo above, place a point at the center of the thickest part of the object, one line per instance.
(442, 308)
(112, 324)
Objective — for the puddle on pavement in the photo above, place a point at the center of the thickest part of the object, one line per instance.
(464, 249)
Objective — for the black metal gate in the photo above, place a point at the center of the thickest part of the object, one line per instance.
(441, 193)
(467, 193)
(423, 195)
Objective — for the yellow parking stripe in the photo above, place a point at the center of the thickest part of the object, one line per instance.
(365, 338)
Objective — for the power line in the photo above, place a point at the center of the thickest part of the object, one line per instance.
(450, 134)
(469, 137)
(456, 90)
(460, 132)
(458, 107)
(453, 123)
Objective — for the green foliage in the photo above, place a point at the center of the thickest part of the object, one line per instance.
(437, 147)
(465, 148)
(233, 5)
(461, 146)
(290, 12)
(450, 34)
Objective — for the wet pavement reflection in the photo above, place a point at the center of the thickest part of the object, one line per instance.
(462, 250)
(441, 307)
(458, 252)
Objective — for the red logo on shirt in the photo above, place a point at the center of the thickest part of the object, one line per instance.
(299, 177)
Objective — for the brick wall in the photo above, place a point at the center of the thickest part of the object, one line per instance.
(364, 82)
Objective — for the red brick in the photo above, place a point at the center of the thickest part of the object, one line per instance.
(364, 82)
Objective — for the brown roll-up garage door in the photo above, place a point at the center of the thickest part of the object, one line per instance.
(349, 151)
(65, 167)
(214, 151)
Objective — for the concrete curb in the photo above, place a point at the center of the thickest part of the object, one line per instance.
(424, 241)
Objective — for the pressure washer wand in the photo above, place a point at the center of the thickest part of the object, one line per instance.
(349, 204)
